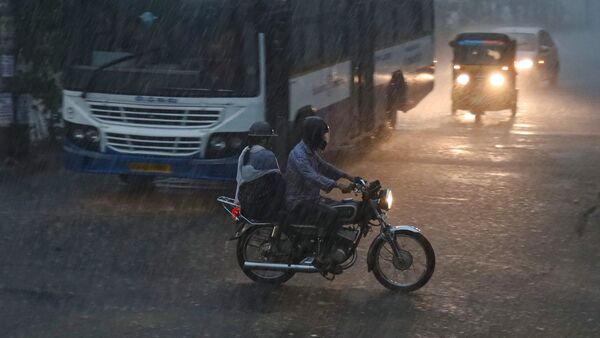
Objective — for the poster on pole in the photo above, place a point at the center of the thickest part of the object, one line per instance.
(6, 109)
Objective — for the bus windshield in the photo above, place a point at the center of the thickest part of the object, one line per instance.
(177, 48)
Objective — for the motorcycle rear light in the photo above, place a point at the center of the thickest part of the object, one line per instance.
(235, 212)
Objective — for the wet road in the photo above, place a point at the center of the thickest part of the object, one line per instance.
(509, 204)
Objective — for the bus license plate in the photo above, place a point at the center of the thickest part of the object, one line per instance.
(150, 167)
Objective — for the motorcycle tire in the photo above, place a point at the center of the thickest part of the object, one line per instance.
(259, 276)
(380, 244)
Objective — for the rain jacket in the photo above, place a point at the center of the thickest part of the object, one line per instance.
(307, 174)
(260, 186)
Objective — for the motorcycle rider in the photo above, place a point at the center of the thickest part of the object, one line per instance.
(260, 185)
(307, 174)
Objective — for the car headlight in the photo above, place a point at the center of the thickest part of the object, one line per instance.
(524, 64)
(386, 199)
(497, 80)
(463, 79)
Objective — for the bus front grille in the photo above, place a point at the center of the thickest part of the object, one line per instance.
(154, 145)
(143, 116)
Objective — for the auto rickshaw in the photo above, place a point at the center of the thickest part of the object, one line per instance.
(484, 75)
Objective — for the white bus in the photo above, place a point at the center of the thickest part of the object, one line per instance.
(169, 88)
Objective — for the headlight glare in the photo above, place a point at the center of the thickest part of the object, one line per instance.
(524, 64)
(497, 80)
(386, 199)
(463, 79)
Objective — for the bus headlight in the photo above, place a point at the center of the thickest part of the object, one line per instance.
(463, 79)
(524, 64)
(92, 135)
(83, 136)
(236, 142)
(386, 199)
(218, 143)
(222, 145)
(78, 135)
(497, 80)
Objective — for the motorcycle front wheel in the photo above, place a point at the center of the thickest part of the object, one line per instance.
(257, 245)
(408, 271)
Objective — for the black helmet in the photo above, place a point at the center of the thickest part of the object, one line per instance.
(261, 129)
(313, 130)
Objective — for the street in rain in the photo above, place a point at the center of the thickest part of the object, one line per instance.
(299, 168)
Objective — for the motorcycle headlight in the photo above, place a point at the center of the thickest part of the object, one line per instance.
(386, 199)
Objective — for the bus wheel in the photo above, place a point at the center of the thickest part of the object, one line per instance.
(138, 183)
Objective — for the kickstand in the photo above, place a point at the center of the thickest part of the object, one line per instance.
(328, 276)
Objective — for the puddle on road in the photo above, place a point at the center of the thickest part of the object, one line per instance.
(515, 146)
(447, 200)
(460, 150)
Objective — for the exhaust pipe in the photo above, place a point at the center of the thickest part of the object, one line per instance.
(280, 267)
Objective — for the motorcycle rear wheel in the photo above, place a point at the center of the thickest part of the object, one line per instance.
(254, 246)
(415, 250)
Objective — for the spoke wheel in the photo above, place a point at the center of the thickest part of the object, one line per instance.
(256, 245)
(411, 269)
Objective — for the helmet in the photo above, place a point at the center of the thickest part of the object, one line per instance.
(261, 129)
(313, 131)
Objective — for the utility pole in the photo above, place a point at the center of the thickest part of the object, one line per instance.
(7, 70)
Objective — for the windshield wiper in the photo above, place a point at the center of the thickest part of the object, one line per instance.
(109, 64)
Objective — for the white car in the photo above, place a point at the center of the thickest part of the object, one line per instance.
(537, 54)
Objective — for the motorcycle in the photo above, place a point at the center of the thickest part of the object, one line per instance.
(400, 257)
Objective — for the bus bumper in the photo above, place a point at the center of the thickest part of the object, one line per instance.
(79, 160)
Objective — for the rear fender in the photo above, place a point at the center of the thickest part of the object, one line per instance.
(244, 227)
(394, 230)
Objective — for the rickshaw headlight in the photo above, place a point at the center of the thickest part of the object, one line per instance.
(463, 79)
(497, 80)
(386, 199)
(524, 64)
